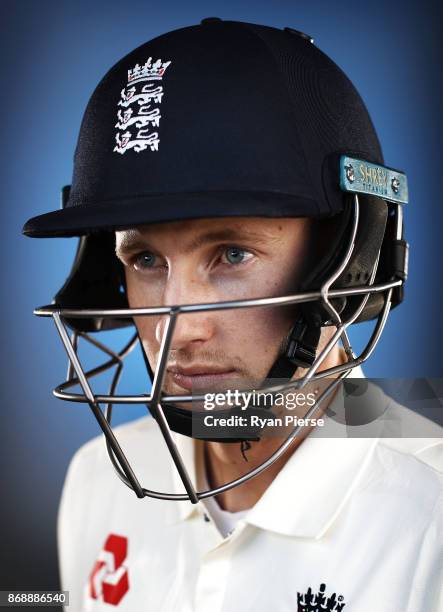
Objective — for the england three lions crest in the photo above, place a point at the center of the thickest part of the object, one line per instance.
(138, 110)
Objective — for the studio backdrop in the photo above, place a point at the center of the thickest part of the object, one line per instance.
(53, 54)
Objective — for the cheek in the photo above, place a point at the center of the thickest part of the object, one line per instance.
(146, 327)
(254, 336)
(138, 297)
(141, 293)
(263, 327)
(259, 332)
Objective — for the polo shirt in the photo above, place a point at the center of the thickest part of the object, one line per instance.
(352, 524)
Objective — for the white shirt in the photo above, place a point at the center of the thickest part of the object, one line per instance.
(224, 520)
(359, 519)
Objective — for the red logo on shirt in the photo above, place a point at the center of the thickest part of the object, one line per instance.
(109, 577)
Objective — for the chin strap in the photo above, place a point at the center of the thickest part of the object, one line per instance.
(300, 350)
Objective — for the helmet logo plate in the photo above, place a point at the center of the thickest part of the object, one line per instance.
(359, 176)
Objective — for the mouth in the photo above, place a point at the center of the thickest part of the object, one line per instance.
(198, 378)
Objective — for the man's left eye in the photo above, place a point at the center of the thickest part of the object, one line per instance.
(235, 255)
(145, 260)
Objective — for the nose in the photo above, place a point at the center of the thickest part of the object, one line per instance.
(191, 329)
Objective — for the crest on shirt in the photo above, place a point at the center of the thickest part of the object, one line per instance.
(317, 602)
(138, 115)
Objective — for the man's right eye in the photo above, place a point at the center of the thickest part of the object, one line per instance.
(144, 260)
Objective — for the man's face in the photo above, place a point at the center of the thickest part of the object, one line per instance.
(214, 260)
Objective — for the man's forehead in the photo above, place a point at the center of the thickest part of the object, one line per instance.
(217, 228)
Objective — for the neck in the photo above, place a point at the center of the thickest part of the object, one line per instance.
(226, 462)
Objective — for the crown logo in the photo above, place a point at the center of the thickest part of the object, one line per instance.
(149, 70)
(308, 602)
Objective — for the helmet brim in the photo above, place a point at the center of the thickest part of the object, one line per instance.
(161, 208)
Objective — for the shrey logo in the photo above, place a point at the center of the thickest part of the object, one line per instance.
(139, 114)
(310, 602)
(109, 577)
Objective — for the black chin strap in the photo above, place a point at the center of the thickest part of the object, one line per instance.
(300, 351)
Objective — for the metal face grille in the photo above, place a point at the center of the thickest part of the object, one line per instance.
(101, 405)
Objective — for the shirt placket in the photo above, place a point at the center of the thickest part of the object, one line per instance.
(214, 570)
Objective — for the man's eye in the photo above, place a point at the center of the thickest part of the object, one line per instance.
(144, 260)
(235, 255)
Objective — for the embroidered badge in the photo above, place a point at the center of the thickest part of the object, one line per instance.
(139, 114)
(308, 602)
(109, 577)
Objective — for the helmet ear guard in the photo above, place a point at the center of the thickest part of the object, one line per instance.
(370, 236)
(96, 281)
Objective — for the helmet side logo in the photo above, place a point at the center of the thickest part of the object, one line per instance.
(360, 176)
(138, 113)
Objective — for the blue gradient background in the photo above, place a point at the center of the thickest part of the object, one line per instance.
(53, 55)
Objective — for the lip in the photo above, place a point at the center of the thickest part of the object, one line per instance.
(198, 377)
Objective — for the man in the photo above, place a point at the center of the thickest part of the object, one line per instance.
(230, 190)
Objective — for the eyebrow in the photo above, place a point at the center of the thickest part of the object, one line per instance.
(134, 243)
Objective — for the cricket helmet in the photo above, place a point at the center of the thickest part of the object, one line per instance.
(228, 119)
